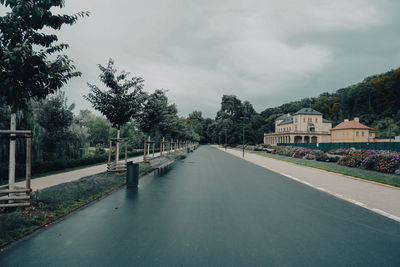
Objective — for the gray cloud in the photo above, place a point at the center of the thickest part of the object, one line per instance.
(267, 52)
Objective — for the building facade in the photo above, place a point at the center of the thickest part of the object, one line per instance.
(305, 126)
(352, 132)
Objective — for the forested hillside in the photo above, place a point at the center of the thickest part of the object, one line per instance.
(376, 100)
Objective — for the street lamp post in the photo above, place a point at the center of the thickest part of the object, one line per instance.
(226, 142)
(243, 118)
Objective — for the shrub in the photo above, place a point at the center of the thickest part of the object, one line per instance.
(353, 160)
(310, 156)
(382, 161)
(341, 151)
(322, 157)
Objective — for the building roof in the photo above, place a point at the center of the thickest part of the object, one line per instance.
(288, 120)
(326, 121)
(282, 117)
(350, 125)
(307, 111)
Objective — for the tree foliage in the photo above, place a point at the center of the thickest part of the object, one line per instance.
(26, 69)
(117, 104)
(375, 100)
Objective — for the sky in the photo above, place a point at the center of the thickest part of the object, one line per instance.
(267, 52)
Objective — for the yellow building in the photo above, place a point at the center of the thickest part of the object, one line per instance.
(305, 126)
(351, 132)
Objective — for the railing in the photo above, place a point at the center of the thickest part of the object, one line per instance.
(15, 196)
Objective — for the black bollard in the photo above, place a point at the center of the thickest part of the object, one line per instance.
(132, 175)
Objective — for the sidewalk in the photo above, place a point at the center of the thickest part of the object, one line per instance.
(51, 180)
(378, 198)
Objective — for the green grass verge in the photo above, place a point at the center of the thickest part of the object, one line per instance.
(384, 178)
(53, 203)
(389, 179)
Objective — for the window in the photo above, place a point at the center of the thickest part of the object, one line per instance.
(336, 134)
(316, 119)
(357, 133)
(370, 134)
(362, 133)
(340, 133)
(309, 119)
(295, 120)
(347, 133)
(304, 119)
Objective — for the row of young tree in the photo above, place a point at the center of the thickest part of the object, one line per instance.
(33, 70)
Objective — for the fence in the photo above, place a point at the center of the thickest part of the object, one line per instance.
(392, 146)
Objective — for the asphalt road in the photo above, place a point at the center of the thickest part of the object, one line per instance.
(214, 209)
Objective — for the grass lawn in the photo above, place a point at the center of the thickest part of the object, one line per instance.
(53, 203)
(389, 179)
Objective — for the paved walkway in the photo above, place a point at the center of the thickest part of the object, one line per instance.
(379, 198)
(214, 209)
(55, 179)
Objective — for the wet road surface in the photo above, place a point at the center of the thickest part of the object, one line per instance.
(213, 209)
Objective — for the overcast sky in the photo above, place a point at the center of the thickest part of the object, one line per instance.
(267, 52)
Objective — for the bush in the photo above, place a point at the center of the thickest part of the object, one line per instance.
(341, 151)
(322, 157)
(382, 161)
(310, 156)
(354, 160)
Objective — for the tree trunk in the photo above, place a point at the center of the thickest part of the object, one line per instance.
(117, 147)
(11, 169)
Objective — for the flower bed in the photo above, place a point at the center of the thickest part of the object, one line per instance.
(377, 160)
(353, 160)
(341, 151)
(310, 156)
(382, 161)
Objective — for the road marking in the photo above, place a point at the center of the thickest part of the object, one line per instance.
(355, 202)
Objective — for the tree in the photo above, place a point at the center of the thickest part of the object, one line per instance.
(154, 113)
(196, 121)
(98, 132)
(26, 71)
(55, 117)
(117, 104)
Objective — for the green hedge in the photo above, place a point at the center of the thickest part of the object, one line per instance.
(60, 164)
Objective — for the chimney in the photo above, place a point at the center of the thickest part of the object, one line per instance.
(346, 119)
(357, 119)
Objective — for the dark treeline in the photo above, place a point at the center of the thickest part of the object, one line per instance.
(376, 100)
